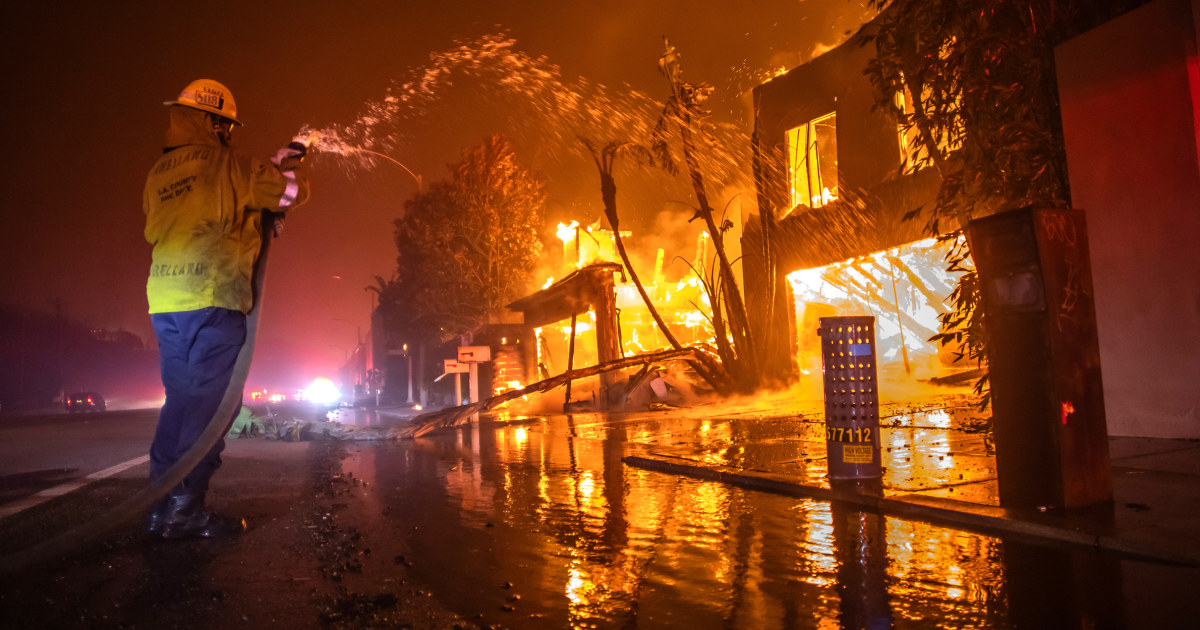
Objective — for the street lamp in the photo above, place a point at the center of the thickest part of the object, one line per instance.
(408, 355)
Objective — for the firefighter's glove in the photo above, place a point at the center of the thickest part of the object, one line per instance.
(289, 157)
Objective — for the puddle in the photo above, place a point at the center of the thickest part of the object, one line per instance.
(539, 524)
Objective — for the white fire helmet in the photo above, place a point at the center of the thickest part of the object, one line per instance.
(209, 96)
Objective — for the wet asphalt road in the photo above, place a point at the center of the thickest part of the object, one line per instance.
(303, 562)
(538, 524)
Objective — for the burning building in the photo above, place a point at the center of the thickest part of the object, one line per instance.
(830, 229)
(593, 313)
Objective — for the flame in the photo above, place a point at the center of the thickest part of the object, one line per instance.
(580, 327)
(566, 233)
(680, 299)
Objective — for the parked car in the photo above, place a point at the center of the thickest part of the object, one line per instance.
(83, 402)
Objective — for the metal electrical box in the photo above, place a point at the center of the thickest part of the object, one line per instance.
(1048, 419)
(851, 397)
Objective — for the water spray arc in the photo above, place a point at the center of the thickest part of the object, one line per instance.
(415, 177)
(526, 98)
(397, 163)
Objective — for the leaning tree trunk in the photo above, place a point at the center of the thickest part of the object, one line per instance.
(608, 193)
(455, 416)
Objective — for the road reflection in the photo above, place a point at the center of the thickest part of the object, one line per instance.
(540, 524)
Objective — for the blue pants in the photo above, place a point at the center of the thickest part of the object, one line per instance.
(197, 353)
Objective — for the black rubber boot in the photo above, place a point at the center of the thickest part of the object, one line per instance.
(186, 517)
(156, 516)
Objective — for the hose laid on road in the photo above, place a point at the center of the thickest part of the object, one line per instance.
(136, 505)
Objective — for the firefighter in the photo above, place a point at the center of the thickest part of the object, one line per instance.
(204, 205)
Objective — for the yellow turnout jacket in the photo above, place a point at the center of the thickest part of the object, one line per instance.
(202, 203)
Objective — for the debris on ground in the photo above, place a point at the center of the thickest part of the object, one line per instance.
(287, 427)
(246, 424)
(660, 387)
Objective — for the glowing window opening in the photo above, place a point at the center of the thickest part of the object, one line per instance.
(812, 162)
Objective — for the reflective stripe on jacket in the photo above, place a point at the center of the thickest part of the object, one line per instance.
(202, 203)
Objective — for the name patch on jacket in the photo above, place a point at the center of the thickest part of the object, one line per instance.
(172, 161)
(190, 269)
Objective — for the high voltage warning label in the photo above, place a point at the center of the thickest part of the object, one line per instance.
(857, 454)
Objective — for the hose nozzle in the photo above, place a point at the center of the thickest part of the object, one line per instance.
(300, 148)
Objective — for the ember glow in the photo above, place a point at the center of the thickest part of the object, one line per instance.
(509, 369)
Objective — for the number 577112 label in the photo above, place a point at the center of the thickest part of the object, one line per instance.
(849, 434)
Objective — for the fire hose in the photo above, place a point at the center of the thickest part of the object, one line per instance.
(136, 505)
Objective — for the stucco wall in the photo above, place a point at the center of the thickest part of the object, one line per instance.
(1130, 91)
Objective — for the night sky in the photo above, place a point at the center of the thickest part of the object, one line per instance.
(83, 122)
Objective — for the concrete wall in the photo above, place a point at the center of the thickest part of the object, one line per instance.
(1130, 93)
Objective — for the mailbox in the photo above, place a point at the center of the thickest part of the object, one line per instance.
(474, 354)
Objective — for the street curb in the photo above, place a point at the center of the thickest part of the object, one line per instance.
(980, 518)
